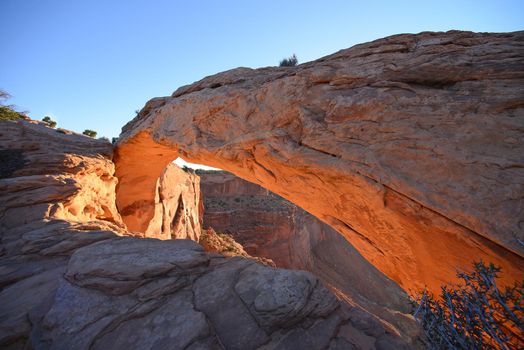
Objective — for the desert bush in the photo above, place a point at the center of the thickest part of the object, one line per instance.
(50, 122)
(7, 112)
(90, 133)
(289, 62)
(475, 314)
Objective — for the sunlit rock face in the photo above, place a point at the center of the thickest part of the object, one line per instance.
(64, 176)
(409, 146)
(177, 206)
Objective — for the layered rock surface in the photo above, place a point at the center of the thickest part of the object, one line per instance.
(61, 175)
(71, 278)
(226, 245)
(258, 219)
(177, 207)
(409, 146)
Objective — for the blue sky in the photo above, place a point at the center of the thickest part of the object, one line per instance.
(91, 64)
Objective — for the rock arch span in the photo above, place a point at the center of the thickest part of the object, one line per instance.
(410, 146)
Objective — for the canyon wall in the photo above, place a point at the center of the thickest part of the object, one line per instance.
(268, 226)
(73, 278)
(409, 146)
(258, 219)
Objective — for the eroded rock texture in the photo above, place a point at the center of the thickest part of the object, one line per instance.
(410, 146)
(61, 174)
(71, 278)
(177, 207)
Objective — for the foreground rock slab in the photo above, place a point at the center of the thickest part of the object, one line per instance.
(409, 146)
(144, 293)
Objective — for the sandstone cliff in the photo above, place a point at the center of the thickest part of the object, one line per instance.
(71, 279)
(177, 207)
(409, 146)
(59, 178)
(261, 221)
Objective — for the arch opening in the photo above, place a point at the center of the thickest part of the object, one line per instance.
(415, 253)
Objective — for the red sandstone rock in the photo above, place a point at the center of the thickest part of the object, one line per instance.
(177, 207)
(409, 146)
(261, 221)
(226, 245)
(66, 177)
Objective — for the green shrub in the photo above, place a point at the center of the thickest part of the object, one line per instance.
(7, 112)
(90, 133)
(50, 122)
(474, 315)
(289, 62)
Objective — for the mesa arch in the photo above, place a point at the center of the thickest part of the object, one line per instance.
(410, 146)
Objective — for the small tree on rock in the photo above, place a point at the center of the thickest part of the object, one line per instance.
(474, 315)
(7, 112)
(90, 133)
(289, 62)
(50, 122)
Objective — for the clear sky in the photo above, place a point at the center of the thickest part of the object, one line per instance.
(91, 64)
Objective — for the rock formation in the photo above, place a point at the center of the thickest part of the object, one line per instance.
(226, 245)
(60, 179)
(177, 207)
(256, 218)
(409, 146)
(72, 278)
(268, 226)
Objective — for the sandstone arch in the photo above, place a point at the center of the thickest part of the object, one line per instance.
(410, 146)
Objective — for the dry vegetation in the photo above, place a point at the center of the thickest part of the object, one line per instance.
(226, 245)
(474, 315)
